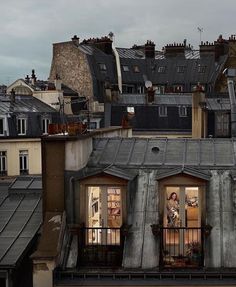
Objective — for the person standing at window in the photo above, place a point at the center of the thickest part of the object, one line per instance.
(173, 219)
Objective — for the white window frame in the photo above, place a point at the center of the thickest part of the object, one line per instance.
(24, 161)
(162, 111)
(3, 162)
(21, 125)
(45, 122)
(183, 111)
(125, 68)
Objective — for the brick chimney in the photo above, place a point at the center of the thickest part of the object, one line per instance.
(149, 49)
(103, 43)
(176, 49)
(219, 48)
(75, 40)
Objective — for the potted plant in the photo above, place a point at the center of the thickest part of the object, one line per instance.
(194, 251)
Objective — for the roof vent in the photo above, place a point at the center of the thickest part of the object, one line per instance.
(155, 149)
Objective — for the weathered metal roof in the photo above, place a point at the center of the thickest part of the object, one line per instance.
(20, 219)
(172, 100)
(158, 153)
(23, 104)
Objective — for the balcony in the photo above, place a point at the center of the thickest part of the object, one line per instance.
(182, 247)
(100, 247)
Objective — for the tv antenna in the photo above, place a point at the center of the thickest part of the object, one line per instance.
(200, 30)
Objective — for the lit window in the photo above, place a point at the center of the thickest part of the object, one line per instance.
(162, 110)
(161, 69)
(21, 126)
(24, 164)
(125, 68)
(182, 111)
(102, 67)
(3, 163)
(45, 123)
(181, 69)
(130, 110)
(178, 88)
(1, 126)
(136, 69)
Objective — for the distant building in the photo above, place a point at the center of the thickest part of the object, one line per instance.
(23, 120)
(107, 75)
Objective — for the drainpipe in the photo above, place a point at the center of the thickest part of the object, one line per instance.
(230, 74)
(118, 68)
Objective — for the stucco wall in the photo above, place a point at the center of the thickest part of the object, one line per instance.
(43, 273)
(12, 147)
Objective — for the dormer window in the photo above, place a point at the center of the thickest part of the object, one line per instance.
(182, 111)
(45, 123)
(201, 69)
(125, 68)
(136, 69)
(162, 111)
(21, 126)
(102, 67)
(181, 69)
(161, 69)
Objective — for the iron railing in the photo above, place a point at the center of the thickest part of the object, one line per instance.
(100, 246)
(182, 246)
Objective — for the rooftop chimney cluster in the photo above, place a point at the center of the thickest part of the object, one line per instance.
(149, 49)
(103, 43)
(31, 80)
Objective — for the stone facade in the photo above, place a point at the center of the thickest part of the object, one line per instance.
(71, 65)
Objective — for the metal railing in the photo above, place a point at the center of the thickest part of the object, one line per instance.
(181, 246)
(100, 246)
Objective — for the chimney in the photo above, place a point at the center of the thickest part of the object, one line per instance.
(33, 78)
(13, 96)
(207, 48)
(199, 114)
(103, 43)
(58, 83)
(173, 50)
(221, 47)
(75, 40)
(149, 49)
(27, 79)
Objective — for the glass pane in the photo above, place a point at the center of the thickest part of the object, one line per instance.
(114, 207)
(172, 217)
(192, 207)
(94, 207)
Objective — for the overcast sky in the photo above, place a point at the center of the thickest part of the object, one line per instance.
(29, 27)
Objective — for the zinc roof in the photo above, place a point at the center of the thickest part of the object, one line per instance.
(158, 153)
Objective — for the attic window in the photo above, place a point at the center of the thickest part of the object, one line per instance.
(181, 69)
(161, 69)
(201, 69)
(136, 69)
(102, 67)
(125, 68)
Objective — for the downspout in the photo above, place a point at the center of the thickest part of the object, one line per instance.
(118, 68)
(232, 99)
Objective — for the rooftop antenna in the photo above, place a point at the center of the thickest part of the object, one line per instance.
(200, 30)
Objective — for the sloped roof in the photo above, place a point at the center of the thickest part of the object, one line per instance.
(158, 153)
(23, 104)
(172, 100)
(20, 219)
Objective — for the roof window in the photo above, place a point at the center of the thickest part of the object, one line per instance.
(102, 67)
(136, 69)
(125, 68)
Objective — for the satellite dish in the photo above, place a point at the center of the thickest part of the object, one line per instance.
(148, 84)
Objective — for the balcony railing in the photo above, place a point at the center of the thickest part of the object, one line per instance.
(100, 246)
(182, 246)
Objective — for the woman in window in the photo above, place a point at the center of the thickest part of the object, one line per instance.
(173, 219)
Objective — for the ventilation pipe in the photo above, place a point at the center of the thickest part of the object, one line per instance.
(230, 75)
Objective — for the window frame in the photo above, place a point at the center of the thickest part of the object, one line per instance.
(183, 111)
(3, 158)
(161, 69)
(125, 68)
(102, 67)
(162, 111)
(136, 69)
(21, 130)
(44, 125)
(181, 69)
(23, 162)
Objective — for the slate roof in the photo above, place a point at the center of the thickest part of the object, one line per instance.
(20, 219)
(172, 100)
(159, 153)
(23, 104)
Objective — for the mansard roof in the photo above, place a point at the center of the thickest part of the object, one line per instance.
(162, 153)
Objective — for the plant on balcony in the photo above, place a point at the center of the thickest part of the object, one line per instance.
(194, 251)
